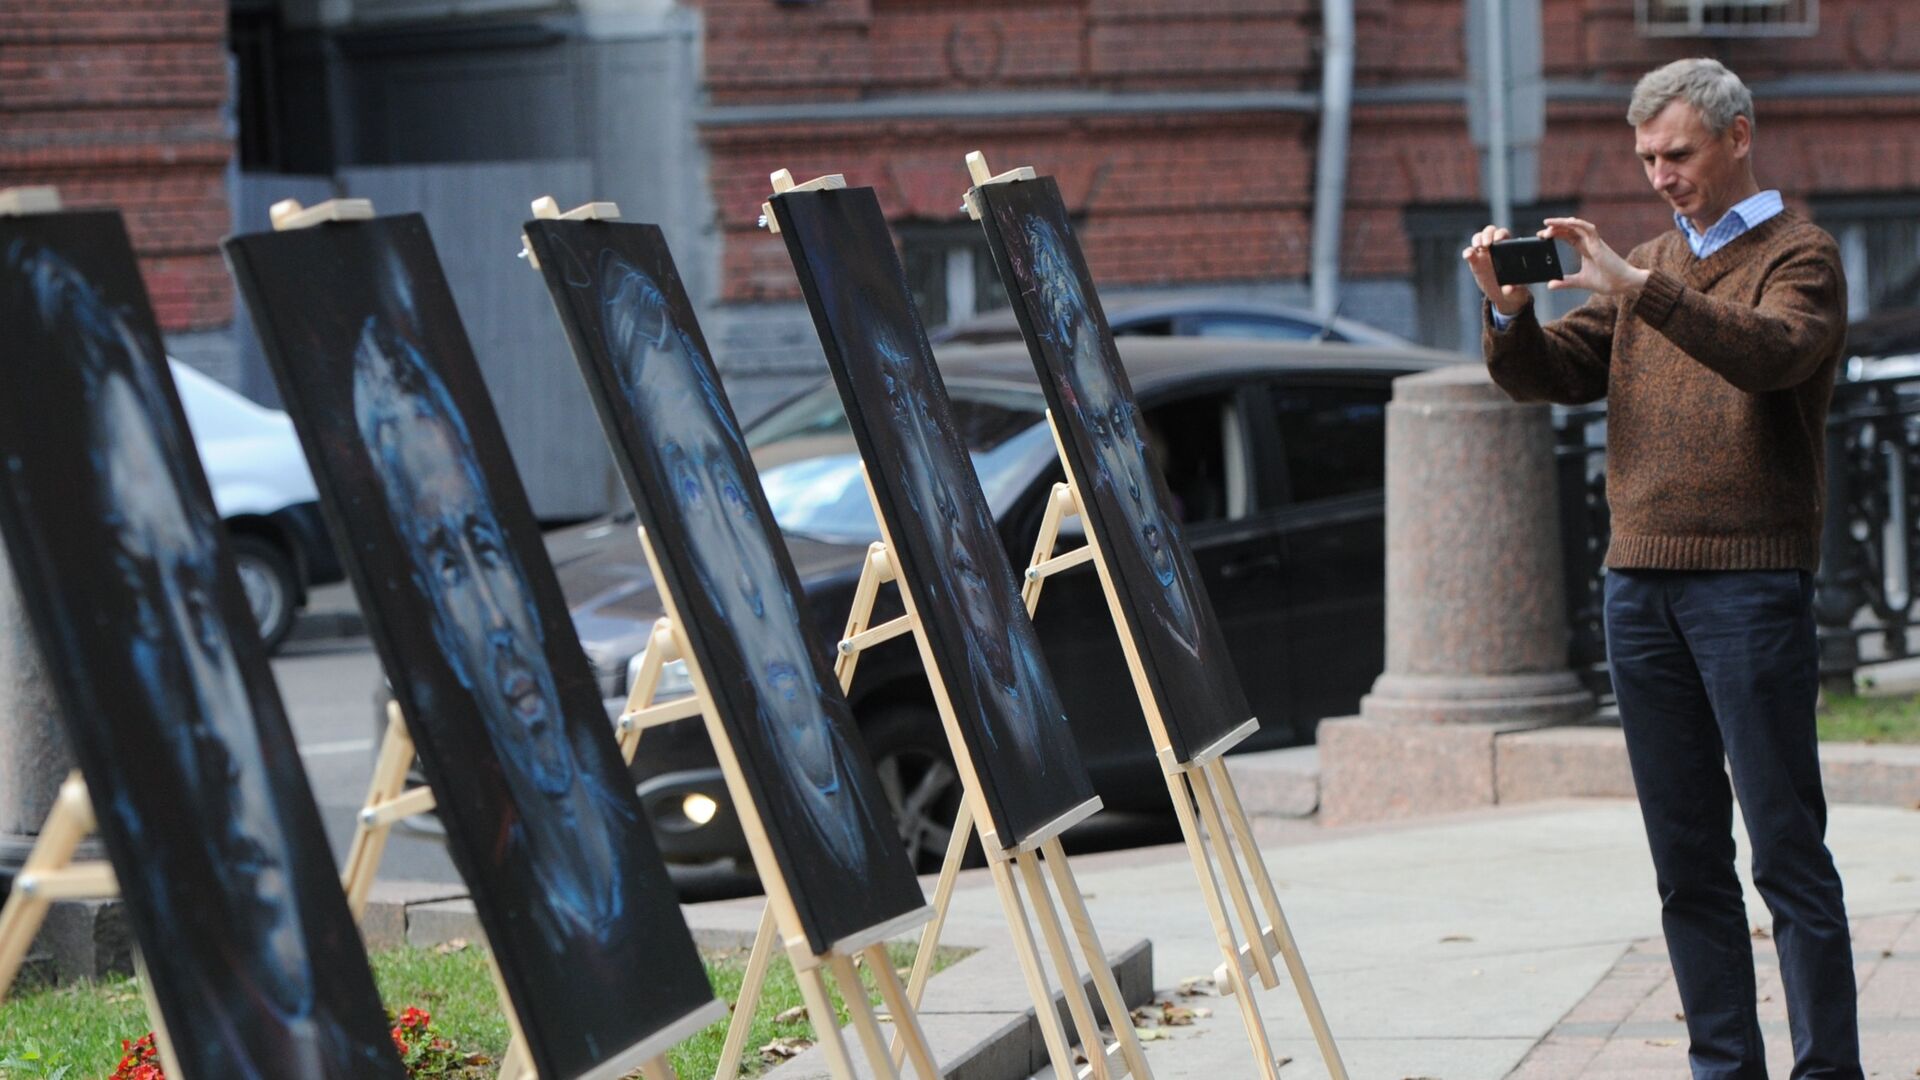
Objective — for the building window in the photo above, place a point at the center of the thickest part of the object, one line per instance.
(950, 272)
(1728, 18)
(1447, 301)
(1879, 247)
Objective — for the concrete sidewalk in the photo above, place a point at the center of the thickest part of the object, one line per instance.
(1470, 947)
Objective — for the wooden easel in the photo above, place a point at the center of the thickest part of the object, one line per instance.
(1009, 867)
(780, 921)
(50, 875)
(1203, 787)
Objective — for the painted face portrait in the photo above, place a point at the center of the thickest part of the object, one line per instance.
(179, 646)
(1110, 418)
(484, 617)
(1001, 672)
(672, 394)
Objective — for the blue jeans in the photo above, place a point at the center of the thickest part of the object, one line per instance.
(1717, 668)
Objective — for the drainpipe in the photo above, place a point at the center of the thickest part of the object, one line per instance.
(1499, 134)
(1330, 170)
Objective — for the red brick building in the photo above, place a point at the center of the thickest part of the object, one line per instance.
(1184, 132)
(120, 103)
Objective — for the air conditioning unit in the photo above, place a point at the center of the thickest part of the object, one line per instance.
(1729, 18)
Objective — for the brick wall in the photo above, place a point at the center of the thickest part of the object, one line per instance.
(1165, 201)
(118, 102)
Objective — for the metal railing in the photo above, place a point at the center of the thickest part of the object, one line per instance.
(1866, 589)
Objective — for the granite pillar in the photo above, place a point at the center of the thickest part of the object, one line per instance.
(1476, 613)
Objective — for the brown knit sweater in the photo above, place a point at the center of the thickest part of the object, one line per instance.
(1717, 376)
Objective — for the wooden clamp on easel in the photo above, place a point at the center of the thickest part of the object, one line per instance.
(1202, 789)
(1010, 867)
(783, 182)
(548, 209)
(49, 874)
(779, 920)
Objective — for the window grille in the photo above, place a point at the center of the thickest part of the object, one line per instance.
(1729, 18)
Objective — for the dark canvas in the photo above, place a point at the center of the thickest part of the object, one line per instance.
(1172, 621)
(686, 464)
(951, 555)
(169, 704)
(423, 500)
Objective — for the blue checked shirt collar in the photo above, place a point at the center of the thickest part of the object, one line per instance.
(1744, 215)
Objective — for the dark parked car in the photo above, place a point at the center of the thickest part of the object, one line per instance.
(1274, 454)
(1210, 319)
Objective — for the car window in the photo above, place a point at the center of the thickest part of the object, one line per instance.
(810, 466)
(1200, 444)
(1263, 329)
(1334, 438)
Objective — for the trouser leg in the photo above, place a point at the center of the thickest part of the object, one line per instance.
(1675, 750)
(1752, 634)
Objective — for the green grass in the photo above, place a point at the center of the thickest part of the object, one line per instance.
(1853, 718)
(74, 1032)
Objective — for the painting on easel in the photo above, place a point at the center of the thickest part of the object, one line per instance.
(955, 562)
(1125, 497)
(170, 708)
(416, 482)
(687, 467)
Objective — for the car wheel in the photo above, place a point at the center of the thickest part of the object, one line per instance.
(916, 770)
(272, 590)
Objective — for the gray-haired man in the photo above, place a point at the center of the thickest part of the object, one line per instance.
(1716, 347)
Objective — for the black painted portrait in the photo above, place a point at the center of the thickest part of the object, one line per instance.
(170, 708)
(952, 556)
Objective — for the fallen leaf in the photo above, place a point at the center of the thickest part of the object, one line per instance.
(451, 945)
(1152, 1034)
(1450, 938)
(1761, 933)
(1663, 1042)
(1282, 1061)
(1196, 986)
(792, 1016)
(784, 1048)
(1680, 1017)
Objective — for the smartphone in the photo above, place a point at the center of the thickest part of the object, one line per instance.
(1525, 261)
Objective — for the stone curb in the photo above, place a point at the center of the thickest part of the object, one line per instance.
(1377, 770)
(976, 1015)
(327, 626)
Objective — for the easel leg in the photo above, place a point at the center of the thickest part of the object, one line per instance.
(169, 1063)
(657, 1069)
(370, 839)
(860, 1014)
(748, 999)
(1119, 1017)
(1236, 883)
(1222, 784)
(907, 1033)
(826, 1026)
(1078, 1007)
(923, 956)
(67, 824)
(515, 1064)
(1038, 991)
(1222, 930)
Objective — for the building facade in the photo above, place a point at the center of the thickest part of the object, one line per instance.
(120, 103)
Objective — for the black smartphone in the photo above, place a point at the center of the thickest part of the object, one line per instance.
(1525, 261)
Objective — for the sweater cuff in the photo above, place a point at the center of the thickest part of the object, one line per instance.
(1658, 297)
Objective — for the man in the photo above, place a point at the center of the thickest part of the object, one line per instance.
(1716, 347)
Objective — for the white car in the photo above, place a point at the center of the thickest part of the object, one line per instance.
(264, 493)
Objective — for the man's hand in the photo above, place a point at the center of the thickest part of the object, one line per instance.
(1601, 268)
(1508, 300)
